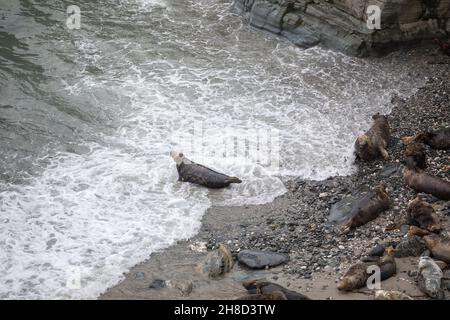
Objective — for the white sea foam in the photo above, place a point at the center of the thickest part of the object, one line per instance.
(93, 216)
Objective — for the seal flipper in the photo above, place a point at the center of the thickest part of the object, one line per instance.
(384, 153)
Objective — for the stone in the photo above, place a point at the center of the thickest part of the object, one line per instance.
(342, 24)
(389, 170)
(261, 259)
(378, 250)
(411, 246)
(358, 209)
(139, 275)
(404, 228)
(158, 284)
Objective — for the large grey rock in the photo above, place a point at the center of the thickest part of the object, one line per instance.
(342, 24)
(260, 259)
(411, 246)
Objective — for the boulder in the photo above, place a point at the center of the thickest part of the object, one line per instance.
(342, 24)
(261, 259)
(411, 246)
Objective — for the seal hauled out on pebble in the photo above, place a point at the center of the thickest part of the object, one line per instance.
(261, 287)
(367, 208)
(424, 182)
(190, 171)
(415, 156)
(422, 214)
(374, 142)
(429, 278)
(439, 139)
(356, 276)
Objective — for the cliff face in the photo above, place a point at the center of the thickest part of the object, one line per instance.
(342, 24)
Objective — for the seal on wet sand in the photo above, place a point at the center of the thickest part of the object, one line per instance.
(374, 142)
(190, 171)
(424, 182)
(367, 208)
(422, 214)
(264, 287)
(276, 295)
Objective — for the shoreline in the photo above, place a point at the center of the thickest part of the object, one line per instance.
(296, 223)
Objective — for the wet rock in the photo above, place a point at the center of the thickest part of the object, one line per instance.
(389, 170)
(158, 284)
(139, 275)
(429, 278)
(260, 259)
(411, 246)
(340, 211)
(51, 243)
(404, 228)
(378, 250)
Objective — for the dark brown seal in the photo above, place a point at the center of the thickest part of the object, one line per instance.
(415, 156)
(424, 182)
(357, 275)
(422, 214)
(439, 139)
(375, 141)
(367, 208)
(265, 287)
(190, 171)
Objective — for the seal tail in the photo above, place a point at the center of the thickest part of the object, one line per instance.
(233, 180)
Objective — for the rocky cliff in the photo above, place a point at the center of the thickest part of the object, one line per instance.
(342, 24)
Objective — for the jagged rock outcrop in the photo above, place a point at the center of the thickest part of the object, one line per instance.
(342, 24)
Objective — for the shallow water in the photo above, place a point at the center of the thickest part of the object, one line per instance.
(88, 117)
